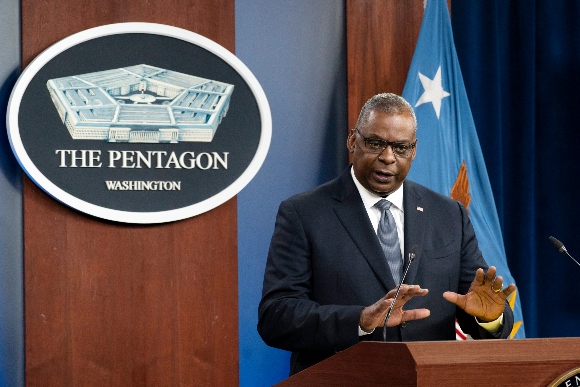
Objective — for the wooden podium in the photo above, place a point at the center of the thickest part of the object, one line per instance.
(527, 362)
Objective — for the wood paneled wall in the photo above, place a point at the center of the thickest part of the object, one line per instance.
(110, 304)
(381, 38)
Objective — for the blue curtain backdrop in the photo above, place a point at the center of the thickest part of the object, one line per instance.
(520, 62)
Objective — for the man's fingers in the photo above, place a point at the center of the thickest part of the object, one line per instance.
(509, 290)
(415, 291)
(374, 315)
(497, 284)
(405, 289)
(490, 275)
(454, 298)
(405, 294)
(390, 294)
(479, 277)
(415, 314)
(383, 305)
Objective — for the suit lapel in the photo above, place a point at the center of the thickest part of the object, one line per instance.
(414, 226)
(353, 216)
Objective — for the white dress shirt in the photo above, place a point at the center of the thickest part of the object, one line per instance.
(369, 199)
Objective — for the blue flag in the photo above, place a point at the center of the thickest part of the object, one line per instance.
(449, 159)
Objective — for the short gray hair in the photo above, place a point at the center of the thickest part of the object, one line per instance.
(389, 103)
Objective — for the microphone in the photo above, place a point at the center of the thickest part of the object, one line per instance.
(560, 247)
(412, 254)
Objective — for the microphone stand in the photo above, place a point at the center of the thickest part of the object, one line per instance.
(411, 257)
(568, 254)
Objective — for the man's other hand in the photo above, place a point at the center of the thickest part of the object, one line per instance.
(486, 296)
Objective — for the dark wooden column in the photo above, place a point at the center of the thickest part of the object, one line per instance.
(110, 304)
(381, 39)
(380, 43)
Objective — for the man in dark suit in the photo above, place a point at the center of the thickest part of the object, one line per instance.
(336, 257)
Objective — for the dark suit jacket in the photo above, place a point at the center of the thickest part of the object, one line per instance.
(325, 264)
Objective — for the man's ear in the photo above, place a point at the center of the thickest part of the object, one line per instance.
(350, 141)
(415, 150)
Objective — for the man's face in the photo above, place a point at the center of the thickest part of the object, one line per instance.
(382, 173)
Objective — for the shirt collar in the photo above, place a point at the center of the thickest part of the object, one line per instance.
(370, 199)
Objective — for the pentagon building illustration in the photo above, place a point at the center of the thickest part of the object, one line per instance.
(142, 104)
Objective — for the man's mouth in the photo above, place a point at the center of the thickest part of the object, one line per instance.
(383, 176)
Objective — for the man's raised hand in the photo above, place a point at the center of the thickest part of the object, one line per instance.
(373, 316)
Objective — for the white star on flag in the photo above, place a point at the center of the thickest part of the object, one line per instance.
(434, 92)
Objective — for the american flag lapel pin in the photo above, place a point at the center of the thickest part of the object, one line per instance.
(419, 208)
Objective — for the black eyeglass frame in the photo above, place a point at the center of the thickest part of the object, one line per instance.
(384, 144)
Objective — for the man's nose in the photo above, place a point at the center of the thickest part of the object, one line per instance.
(387, 155)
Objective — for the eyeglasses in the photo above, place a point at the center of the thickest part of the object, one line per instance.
(401, 149)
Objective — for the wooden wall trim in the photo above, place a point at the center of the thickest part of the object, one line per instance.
(381, 39)
(380, 42)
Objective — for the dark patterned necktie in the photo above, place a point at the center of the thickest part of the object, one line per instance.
(389, 239)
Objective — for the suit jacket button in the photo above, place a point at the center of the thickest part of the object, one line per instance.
(403, 324)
